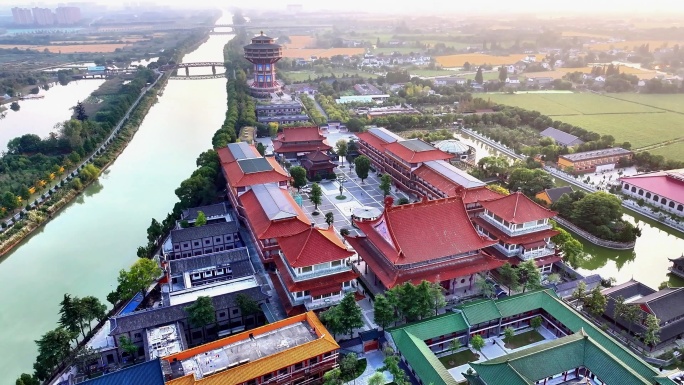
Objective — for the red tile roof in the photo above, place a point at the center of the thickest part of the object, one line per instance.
(424, 231)
(237, 178)
(285, 147)
(410, 156)
(517, 208)
(390, 276)
(322, 285)
(264, 228)
(479, 194)
(661, 183)
(317, 156)
(312, 247)
(438, 181)
(516, 240)
(299, 134)
(225, 156)
(372, 140)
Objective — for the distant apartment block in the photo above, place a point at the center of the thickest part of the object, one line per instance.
(68, 15)
(22, 16)
(43, 16)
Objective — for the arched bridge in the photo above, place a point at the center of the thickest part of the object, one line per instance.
(197, 77)
(200, 64)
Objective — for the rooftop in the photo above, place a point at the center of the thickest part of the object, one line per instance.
(274, 203)
(273, 213)
(452, 146)
(454, 174)
(613, 151)
(217, 210)
(385, 135)
(163, 341)
(517, 208)
(561, 137)
(147, 373)
(299, 134)
(237, 151)
(557, 192)
(212, 290)
(312, 247)
(239, 177)
(237, 259)
(251, 354)
(666, 184)
(209, 230)
(416, 151)
(249, 166)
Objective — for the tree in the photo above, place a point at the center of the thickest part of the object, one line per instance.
(80, 112)
(596, 302)
(27, 379)
(619, 309)
(571, 249)
(391, 364)
(53, 347)
(9, 201)
(530, 277)
(128, 346)
(455, 345)
(333, 377)
(15, 106)
(84, 358)
(384, 313)
(529, 182)
(477, 342)
(341, 149)
(138, 278)
(503, 73)
(478, 76)
(580, 293)
(632, 316)
(332, 320)
(329, 219)
(509, 277)
(273, 129)
(348, 365)
(385, 184)
(89, 173)
(196, 191)
(509, 332)
(350, 314)
(247, 305)
(652, 333)
(536, 322)
(361, 166)
(92, 310)
(201, 219)
(298, 175)
(485, 287)
(260, 147)
(154, 231)
(354, 125)
(315, 196)
(376, 379)
(437, 296)
(201, 312)
(71, 315)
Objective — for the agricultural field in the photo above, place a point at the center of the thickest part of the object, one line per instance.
(584, 34)
(431, 73)
(479, 58)
(554, 104)
(672, 102)
(391, 50)
(673, 151)
(630, 44)
(330, 52)
(300, 41)
(76, 48)
(302, 76)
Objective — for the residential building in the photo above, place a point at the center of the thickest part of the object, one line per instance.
(663, 189)
(295, 142)
(296, 350)
(216, 213)
(67, 15)
(565, 290)
(665, 304)
(281, 113)
(551, 195)
(210, 238)
(593, 161)
(394, 246)
(582, 350)
(313, 269)
(43, 16)
(270, 213)
(22, 16)
(521, 229)
(243, 166)
(677, 267)
(318, 164)
(367, 89)
(449, 81)
(147, 373)
(362, 98)
(561, 137)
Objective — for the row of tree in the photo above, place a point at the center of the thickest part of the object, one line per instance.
(408, 302)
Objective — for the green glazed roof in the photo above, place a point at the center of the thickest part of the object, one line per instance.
(478, 312)
(436, 326)
(426, 365)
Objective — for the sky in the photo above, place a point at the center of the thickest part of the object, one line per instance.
(633, 8)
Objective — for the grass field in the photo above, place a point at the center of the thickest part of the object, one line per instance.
(458, 359)
(68, 48)
(308, 52)
(673, 102)
(671, 151)
(430, 73)
(301, 76)
(523, 339)
(553, 104)
(478, 58)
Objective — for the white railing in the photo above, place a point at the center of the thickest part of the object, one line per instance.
(511, 232)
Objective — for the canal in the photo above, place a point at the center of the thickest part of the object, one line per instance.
(648, 262)
(82, 249)
(39, 116)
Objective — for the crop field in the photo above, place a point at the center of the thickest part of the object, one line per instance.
(431, 73)
(671, 151)
(584, 34)
(478, 58)
(330, 52)
(554, 104)
(673, 102)
(301, 76)
(630, 44)
(68, 48)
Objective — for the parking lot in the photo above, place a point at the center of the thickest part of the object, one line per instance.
(357, 194)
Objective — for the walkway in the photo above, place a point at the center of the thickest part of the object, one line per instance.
(500, 147)
(374, 361)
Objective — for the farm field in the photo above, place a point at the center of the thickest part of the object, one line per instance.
(639, 129)
(431, 73)
(674, 151)
(584, 34)
(300, 41)
(391, 50)
(554, 104)
(301, 76)
(308, 52)
(478, 58)
(630, 44)
(674, 102)
(68, 48)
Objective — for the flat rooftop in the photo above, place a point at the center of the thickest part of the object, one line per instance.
(212, 290)
(596, 154)
(163, 341)
(245, 350)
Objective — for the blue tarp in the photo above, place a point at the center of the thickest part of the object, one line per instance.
(132, 304)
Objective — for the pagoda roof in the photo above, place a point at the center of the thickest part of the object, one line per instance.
(312, 247)
(316, 286)
(372, 141)
(445, 177)
(317, 156)
(416, 151)
(523, 239)
(479, 194)
(253, 171)
(299, 134)
(273, 213)
(236, 151)
(517, 208)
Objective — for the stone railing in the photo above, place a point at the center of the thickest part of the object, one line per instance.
(593, 239)
(661, 217)
(499, 146)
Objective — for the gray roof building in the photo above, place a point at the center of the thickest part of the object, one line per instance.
(555, 193)
(210, 211)
(237, 259)
(565, 289)
(209, 230)
(561, 137)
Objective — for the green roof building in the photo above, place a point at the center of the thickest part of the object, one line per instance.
(582, 349)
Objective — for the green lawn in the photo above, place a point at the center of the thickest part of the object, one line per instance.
(523, 339)
(431, 73)
(571, 103)
(458, 359)
(674, 151)
(673, 102)
(301, 76)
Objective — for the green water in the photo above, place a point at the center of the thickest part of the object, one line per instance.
(81, 250)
